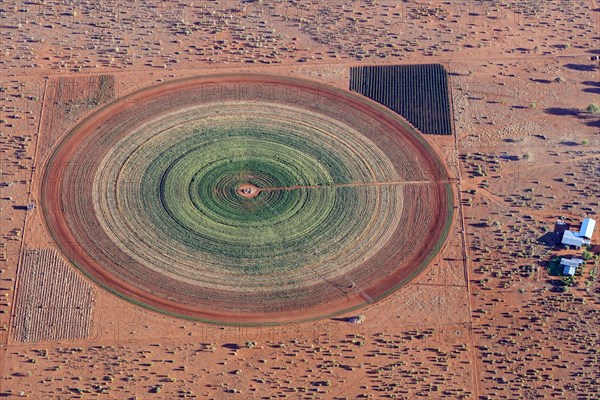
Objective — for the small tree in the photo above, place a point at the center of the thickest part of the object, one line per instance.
(568, 280)
(156, 389)
(593, 108)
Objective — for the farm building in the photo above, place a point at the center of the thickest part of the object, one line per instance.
(570, 265)
(570, 239)
(561, 226)
(583, 237)
(569, 270)
(587, 228)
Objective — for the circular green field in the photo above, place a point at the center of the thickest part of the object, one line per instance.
(245, 210)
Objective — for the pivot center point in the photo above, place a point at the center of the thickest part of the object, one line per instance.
(248, 191)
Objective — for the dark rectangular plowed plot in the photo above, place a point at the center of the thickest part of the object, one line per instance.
(419, 93)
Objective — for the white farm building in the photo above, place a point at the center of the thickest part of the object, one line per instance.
(587, 228)
(570, 265)
(583, 237)
(570, 239)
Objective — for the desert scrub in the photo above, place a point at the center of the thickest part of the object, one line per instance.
(593, 108)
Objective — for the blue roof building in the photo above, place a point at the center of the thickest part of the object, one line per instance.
(587, 228)
(570, 265)
(570, 239)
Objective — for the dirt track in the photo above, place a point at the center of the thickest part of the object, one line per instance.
(396, 263)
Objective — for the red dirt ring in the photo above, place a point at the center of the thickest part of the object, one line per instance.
(426, 220)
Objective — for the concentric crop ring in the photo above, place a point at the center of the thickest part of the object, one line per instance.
(201, 199)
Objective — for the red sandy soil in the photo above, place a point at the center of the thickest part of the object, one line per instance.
(471, 326)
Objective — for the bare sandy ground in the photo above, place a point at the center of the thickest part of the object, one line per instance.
(478, 323)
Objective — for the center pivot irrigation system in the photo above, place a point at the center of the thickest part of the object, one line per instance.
(247, 199)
